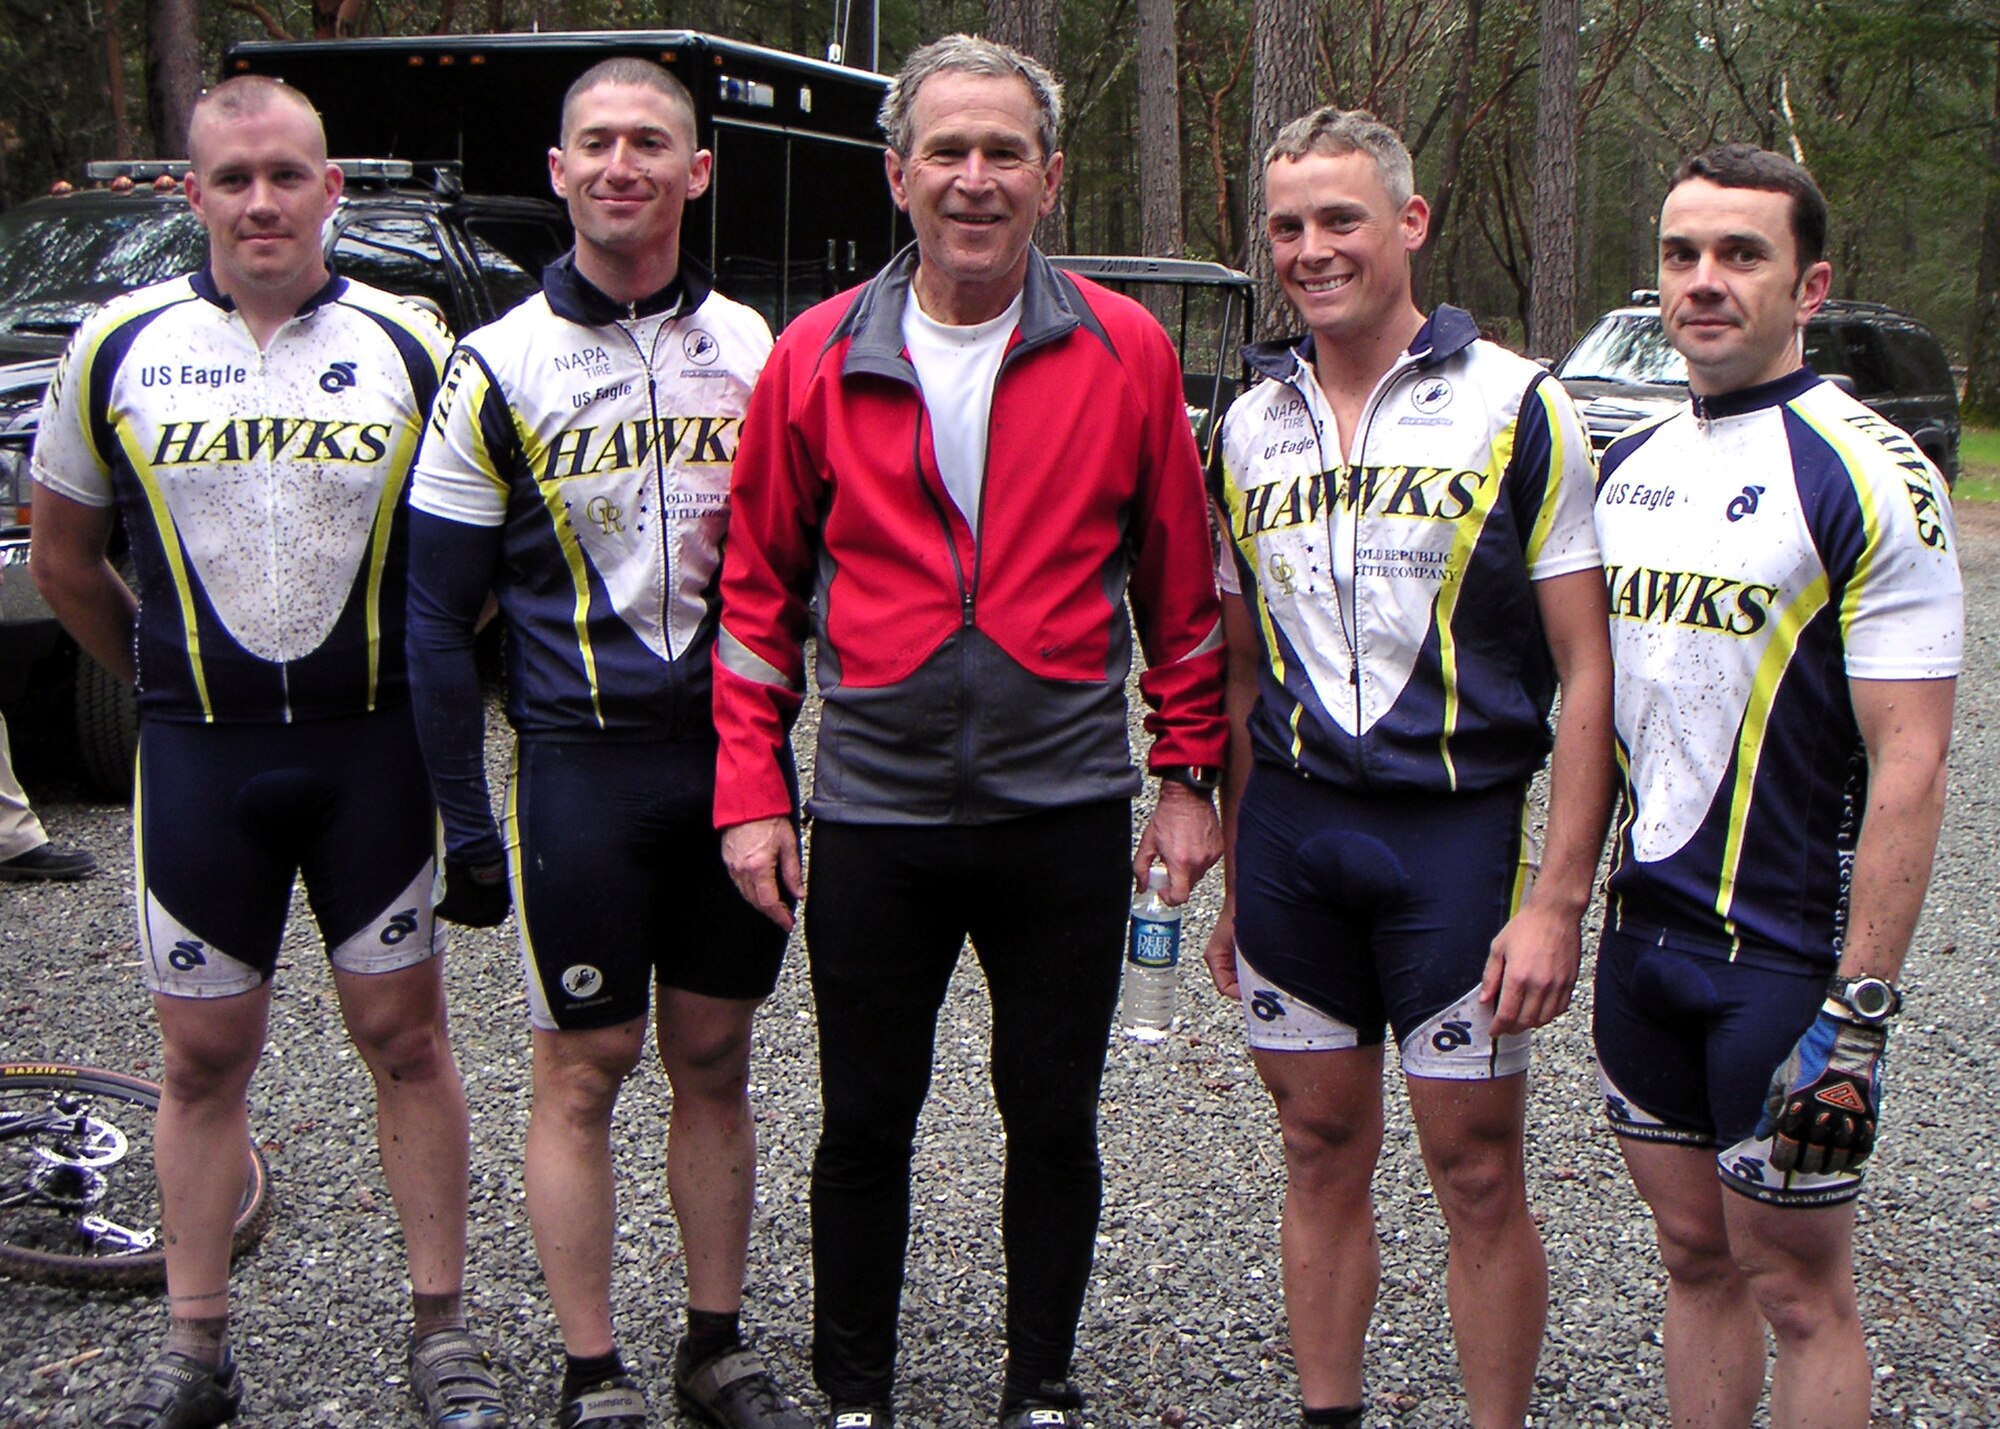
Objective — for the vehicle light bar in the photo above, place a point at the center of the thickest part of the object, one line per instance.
(145, 171)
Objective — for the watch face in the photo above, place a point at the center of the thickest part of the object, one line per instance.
(1871, 997)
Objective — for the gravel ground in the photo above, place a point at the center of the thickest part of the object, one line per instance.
(1185, 1321)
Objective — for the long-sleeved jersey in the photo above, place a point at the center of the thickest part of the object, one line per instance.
(1393, 592)
(577, 464)
(263, 490)
(966, 678)
(1762, 549)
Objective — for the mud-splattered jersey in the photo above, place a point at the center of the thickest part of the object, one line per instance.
(262, 490)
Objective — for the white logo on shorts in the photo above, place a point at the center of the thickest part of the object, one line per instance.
(581, 980)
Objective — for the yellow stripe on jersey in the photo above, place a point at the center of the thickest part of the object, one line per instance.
(1777, 658)
(415, 320)
(1559, 465)
(1233, 495)
(170, 545)
(535, 454)
(96, 335)
(1465, 539)
(1864, 495)
(378, 556)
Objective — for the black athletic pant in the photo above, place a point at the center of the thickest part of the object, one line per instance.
(888, 909)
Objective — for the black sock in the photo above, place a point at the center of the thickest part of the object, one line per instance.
(1345, 1417)
(1016, 1392)
(580, 1375)
(711, 1332)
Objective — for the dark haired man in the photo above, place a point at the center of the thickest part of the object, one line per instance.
(265, 507)
(577, 464)
(1786, 628)
(968, 460)
(1411, 574)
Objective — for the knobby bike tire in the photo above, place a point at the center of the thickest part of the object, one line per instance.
(81, 1268)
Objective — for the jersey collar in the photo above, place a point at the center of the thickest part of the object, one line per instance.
(1774, 393)
(573, 296)
(203, 283)
(1447, 332)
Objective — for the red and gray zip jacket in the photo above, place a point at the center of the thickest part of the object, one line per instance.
(965, 680)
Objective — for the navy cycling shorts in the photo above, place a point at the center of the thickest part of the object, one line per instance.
(226, 817)
(1687, 1042)
(1355, 913)
(619, 881)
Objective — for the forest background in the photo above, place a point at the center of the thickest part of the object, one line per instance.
(1543, 130)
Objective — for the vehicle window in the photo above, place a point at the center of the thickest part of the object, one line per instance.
(751, 214)
(398, 253)
(1625, 347)
(1917, 363)
(1866, 360)
(1824, 353)
(73, 259)
(507, 281)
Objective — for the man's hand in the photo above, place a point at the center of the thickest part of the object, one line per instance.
(1220, 954)
(475, 895)
(1184, 834)
(1531, 969)
(763, 862)
(1821, 1109)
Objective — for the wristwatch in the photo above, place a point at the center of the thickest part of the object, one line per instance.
(1202, 778)
(1872, 1000)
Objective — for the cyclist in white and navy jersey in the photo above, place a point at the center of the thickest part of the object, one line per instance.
(253, 424)
(1786, 625)
(1410, 574)
(577, 466)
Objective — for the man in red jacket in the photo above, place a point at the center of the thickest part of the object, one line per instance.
(971, 461)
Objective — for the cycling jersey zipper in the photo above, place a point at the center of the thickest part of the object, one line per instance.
(665, 546)
(1352, 466)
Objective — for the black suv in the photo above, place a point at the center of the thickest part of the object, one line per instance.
(1623, 370)
(469, 259)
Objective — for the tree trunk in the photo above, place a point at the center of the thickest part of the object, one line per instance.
(1159, 131)
(1283, 87)
(173, 72)
(114, 83)
(1552, 255)
(1031, 27)
(1456, 129)
(1982, 366)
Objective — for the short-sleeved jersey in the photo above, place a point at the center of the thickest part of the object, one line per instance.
(262, 491)
(1762, 549)
(601, 439)
(1393, 592)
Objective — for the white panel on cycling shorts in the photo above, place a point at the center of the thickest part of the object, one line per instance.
(1281, 1022)
(402, 935)
(1458, 1045)
(1746, 1169)
(179, 963)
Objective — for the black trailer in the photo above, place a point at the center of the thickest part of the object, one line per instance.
(798, 210)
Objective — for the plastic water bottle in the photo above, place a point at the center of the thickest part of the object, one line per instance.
(1152, 962)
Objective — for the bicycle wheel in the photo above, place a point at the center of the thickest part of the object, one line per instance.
(79, 1203)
